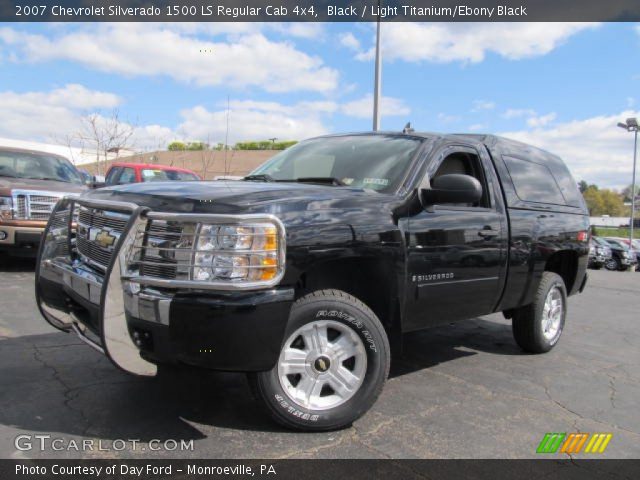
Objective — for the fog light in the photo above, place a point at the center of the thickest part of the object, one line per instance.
(3, 235)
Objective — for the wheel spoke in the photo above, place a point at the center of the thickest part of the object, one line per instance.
(343, 348)
(294, 361)
(343, 381)
(315, 338)
(309, 388)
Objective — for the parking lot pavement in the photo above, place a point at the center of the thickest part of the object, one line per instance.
(462, 391)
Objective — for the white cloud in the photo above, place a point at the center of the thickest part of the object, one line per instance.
(542, 120)
(49, 115)
(479, 105)
(350, 41)
(308, 30)
(476, 127)
(471, 42)
(246, 58)
(250, 121)
(363, 107)
(594, 148)
(533, 119)
(518, 113)
(56, 115)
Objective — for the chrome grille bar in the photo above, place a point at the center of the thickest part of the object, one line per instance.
(34, 204)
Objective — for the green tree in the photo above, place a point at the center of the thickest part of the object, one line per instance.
(197, 146)
(176, 147)
(626, 193)
(593, 199)
(264, 145)
(582, 185)
(613, 204)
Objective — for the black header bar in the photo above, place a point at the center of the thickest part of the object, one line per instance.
(320, 10)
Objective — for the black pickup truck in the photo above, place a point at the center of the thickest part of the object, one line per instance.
(306, 273)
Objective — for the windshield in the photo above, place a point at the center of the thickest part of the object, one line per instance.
(155, 175)
(37, 166)
(615, 243)
(374, 162)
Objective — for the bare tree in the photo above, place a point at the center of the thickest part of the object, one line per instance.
(105, 135)
(207, 155)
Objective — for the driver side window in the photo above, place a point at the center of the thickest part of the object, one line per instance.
(465, 163)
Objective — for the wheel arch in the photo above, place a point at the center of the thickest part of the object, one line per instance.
(372, 280)
(565, 264)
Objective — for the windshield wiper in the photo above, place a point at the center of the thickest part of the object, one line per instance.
(261, 177)
(8, 175)
(49, 178)
(265, 177)
(331, 180)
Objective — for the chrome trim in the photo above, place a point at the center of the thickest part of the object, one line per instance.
(115, 331)
(27, 194)
(86, 339)
(104, 204)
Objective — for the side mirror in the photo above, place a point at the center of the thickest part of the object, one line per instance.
(453, 188)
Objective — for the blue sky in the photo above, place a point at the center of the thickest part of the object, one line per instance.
(559, 86)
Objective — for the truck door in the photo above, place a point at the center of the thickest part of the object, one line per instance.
(457, 252)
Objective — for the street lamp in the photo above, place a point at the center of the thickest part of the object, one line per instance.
(631, 125)
(377, 87)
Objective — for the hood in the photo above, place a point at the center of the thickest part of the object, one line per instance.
(230, 197)
(7, 184)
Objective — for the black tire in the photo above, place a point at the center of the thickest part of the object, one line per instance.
(613, 264)
(334, 306)
(528, 329)
(597, 267)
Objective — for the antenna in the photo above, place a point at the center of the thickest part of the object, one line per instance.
(407, 128)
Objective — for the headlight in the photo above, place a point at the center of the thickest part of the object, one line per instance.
(625, 254)
(236, 253)
(227, 252)
(6, 208)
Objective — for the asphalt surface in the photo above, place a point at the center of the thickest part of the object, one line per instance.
(461, 391)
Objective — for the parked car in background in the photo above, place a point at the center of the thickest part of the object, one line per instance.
(123, 173)
(599, 253)
(622, 257)
(635, 246)
(31, 182)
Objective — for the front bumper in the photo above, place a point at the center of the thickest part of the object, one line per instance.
(20, 239)
(597, 260)
(628, 261)
(137, 326)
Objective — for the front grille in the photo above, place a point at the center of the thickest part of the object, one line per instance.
(60, 223)
(34, 205)
(97, 234)
(159, 252)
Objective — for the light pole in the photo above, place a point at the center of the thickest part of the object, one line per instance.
(378, 77)
(631, 125)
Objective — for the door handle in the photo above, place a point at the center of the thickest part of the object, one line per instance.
(488, 233)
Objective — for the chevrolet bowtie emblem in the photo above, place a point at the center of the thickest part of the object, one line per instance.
(105, 239)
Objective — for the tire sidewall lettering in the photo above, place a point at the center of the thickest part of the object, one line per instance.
(353, 322)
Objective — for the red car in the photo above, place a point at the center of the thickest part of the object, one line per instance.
(121, 173)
